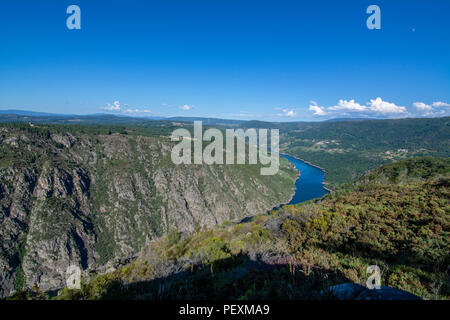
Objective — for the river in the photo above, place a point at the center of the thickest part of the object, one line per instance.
(310, 183)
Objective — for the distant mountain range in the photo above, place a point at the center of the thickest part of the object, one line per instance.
(34, 113)
(7, 115)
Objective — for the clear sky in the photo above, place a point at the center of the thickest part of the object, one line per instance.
(241, 59)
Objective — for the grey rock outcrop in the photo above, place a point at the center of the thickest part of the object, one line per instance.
(72, 198)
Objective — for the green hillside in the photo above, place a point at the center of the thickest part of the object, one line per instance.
(347, 149)
(396, 217)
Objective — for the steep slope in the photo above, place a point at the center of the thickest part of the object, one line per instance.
(396, 217)
(68, 197)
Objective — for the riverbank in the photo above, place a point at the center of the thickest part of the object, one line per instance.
(309, 185)
(324, 183)
(294, 189)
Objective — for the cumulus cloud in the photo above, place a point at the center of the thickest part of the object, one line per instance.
(422, 106)
(285, 112)
(348, 106)
(376, 107)
(136, 111)
(435, 109)
(124, 109)
(186, 107)
(289, 113)
(379, 106)
(112, 107)
(440, 104)
(318, 111)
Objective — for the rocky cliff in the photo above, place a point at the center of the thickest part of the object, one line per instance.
(68, 197)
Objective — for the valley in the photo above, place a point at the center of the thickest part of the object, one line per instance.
(104, 194)
(395, 217)
(79, 196)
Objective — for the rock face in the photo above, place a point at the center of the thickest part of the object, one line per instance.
(72, 198)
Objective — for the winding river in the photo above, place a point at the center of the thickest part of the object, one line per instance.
(310, 183)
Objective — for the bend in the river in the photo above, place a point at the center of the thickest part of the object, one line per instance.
(310, 183)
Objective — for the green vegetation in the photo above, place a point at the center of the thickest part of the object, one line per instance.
(19, 280)
(396, 217)
(93, 125)
(347, 149)
(111, 187)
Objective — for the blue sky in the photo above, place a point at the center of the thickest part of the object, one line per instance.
(241, 59)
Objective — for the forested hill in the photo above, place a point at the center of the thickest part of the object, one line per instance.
(396, 217)
(347, 149)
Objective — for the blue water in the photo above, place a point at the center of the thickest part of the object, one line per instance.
(309, 185)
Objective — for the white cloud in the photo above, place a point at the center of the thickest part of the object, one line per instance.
(286, 112)
(440, 104)
(348, 106)
(431, 110)
(136, 111)
(422, 106)
(186, 107)
(376, 107)
(289, 113)
(379, 106)
(124, 109)
(112, 107)
(318, 111)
